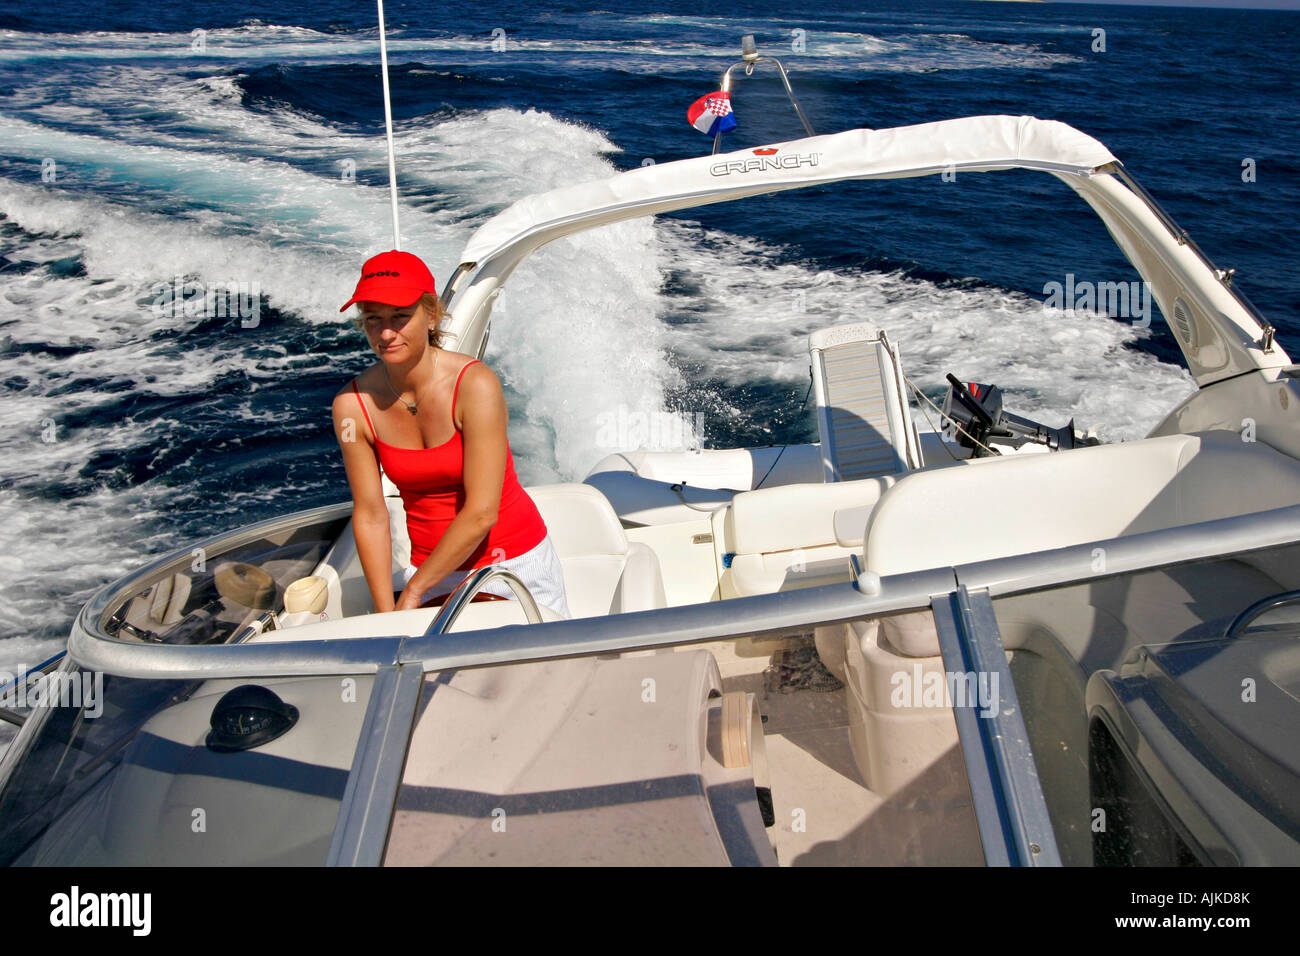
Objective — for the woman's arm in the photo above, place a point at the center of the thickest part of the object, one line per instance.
(482, 409)
(369, 512)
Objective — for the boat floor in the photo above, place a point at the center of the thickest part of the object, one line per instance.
(825, 814)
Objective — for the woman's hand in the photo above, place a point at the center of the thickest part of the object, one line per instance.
(408, 601)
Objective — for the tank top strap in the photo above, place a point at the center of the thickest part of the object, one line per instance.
(456, 391)
(374, 433)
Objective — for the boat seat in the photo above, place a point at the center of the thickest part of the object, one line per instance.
(801, 535)
(1032, 503)
(862, 409)
(667, 487)
(603, 572)
(792, 536)
(162, 605)
(1040, 502)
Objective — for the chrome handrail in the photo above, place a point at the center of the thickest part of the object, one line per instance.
(1261, 606)
(751, 57)
(1267, 331)
(470, 587)
(767, 614)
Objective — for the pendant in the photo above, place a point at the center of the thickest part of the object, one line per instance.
(410, 407)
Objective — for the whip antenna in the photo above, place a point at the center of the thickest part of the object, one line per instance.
(388, 125)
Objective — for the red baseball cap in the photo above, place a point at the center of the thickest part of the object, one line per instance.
(393, 278)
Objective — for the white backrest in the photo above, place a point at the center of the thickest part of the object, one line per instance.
(862, 413)
(594, 552)
(795, 516)
(995, 507)
(580, 520)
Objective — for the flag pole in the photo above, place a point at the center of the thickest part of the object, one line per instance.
(388, 125)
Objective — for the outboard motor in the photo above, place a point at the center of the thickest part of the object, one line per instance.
(977, 409)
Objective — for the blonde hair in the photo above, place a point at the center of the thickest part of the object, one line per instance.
(432, 304)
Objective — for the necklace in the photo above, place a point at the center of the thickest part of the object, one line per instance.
(412, 407)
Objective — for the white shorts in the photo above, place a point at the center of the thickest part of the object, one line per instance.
(539, 570)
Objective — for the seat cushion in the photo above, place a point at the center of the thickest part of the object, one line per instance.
(579, 519)
(996, 507)
(752, 574)
(796, 516)
(603, 574)
(641, 586)
(590, 582)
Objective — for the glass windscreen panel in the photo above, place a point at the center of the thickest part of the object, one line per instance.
(852, 758)
(128, 772)
(903, 749)
(209, 594)
(1161, 736)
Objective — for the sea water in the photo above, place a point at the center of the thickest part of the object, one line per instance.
(158, 158)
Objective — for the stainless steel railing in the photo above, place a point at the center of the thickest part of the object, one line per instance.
(750, 58)
(784, 612)
(471, 586)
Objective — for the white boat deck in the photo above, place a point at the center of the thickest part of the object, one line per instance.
(825, 815)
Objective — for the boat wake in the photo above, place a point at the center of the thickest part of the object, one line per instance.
(136, 424)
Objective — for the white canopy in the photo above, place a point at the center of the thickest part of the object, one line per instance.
(1217, 334)
(974, 143)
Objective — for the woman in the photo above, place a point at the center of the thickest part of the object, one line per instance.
(435, 421)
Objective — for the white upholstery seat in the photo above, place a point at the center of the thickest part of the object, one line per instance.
(161, 605)
(794, 535)
(1038, 502)
(801, 535)
(603, 573)
(668, 487)
(1041, 502)
(797, 516)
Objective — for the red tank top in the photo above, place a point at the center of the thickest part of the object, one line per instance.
(431, 481)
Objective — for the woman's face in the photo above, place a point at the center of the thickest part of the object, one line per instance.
(396, 333)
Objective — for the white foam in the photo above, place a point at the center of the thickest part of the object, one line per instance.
(757, 313)
(828, 49)
(474, 163)
(577, 335)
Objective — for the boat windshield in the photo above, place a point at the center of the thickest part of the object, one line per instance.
(123, 773)
(210, 593)
(114, 766)
(1180, 687)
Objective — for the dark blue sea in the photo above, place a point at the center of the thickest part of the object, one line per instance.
(146, 144)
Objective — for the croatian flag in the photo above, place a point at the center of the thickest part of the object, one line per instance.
(712, 114)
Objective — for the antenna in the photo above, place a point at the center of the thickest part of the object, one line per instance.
(388, 124)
